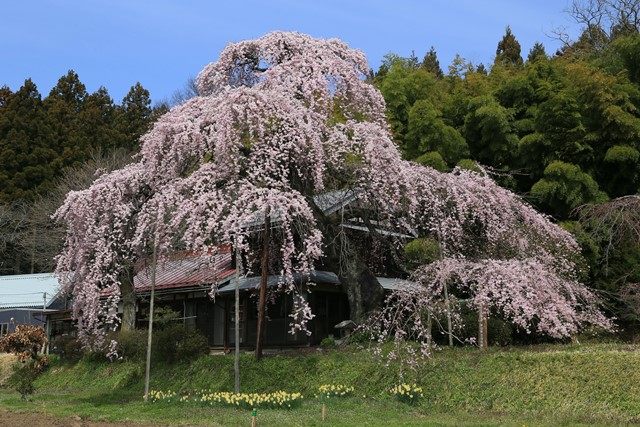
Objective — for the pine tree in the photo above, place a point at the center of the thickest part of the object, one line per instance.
(63, 106)
(430, 63)
(134, 116)
(26, 156)
(5, 94)
(508, 51)
(70, 90)
(537, 53)
(97, 121)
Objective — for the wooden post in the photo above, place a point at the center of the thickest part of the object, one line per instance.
(150, 332)
(254, 418)
(225, 332)
(448, 306)
(483, 329)
(264, 265)
(324, 411)
(236, 362)
(45, 320)
(446, 296)
(429, 321)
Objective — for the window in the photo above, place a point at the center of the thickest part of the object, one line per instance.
(4, 329)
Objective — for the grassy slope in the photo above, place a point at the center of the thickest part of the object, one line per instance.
(541, 385)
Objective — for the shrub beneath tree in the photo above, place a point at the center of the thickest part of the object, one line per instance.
(25, 342)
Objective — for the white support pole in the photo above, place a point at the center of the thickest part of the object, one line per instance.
(149, 336)
(236, 362)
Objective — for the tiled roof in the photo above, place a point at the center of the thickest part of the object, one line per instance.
(191, 271)
(186, 270)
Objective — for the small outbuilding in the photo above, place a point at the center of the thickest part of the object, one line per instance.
(28, 299)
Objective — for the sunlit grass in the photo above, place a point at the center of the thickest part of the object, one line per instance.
(552, 385)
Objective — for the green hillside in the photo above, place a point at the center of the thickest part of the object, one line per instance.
(551, 385)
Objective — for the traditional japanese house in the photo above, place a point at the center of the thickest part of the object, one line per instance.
(184, 284)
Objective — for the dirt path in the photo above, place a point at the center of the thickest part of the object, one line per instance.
(35, 419)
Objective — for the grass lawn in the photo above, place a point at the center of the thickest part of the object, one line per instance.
(544, 385)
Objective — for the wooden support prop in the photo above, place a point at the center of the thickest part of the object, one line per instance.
(483, 328)
(154, 261)
(264, 277)
(254, 418)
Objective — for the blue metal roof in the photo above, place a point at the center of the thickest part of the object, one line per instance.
(27, 290)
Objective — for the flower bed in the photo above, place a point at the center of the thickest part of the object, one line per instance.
(162, 396)
(334, 390)
(277, 399)
(408, 393)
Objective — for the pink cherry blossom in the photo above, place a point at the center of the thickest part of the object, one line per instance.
(280, 120)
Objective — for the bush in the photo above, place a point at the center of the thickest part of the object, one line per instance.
(469, 165)
(360, 337)
(191, 346)
(25, 342)
(22, 379)
(172, 341)
(434, 160)
(171, 344)
(421, 251)
(177, 343)
(328, 342)
(67, 347)
(132, 345)
(500, 332)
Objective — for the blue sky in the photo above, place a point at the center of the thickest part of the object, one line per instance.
(162, 43)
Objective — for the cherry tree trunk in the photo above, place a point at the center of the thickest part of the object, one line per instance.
(264, 266)
(363, 290)
(128, 304)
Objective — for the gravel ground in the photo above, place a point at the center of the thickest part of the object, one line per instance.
(34, 419)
